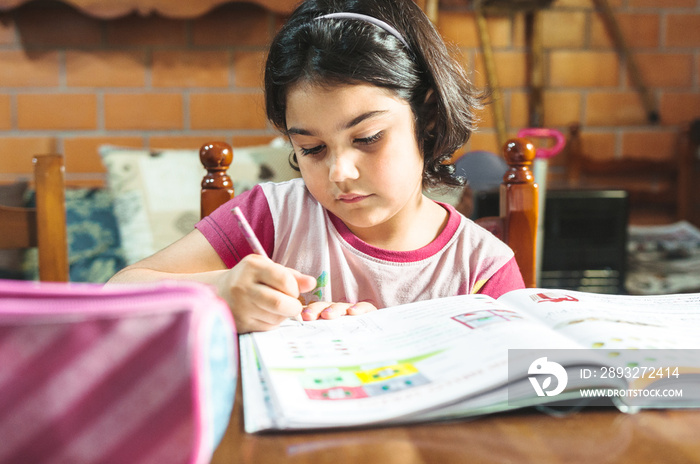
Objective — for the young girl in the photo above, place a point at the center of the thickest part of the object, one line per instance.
(373, 105)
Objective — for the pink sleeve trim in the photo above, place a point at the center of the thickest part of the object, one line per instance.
(507, 278)
(221, 229)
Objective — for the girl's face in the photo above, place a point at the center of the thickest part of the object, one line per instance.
(357, 152)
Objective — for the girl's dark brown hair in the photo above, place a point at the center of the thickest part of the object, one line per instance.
(332, 51)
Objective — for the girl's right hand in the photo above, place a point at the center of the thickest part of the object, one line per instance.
(262, 293)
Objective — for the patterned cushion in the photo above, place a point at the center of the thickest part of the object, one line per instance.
(94, 247)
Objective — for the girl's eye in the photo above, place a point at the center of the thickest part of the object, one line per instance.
(311, 151)
(371, 139)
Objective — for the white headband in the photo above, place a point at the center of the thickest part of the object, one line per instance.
(370, 19)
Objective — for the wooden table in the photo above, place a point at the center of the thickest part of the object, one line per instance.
(593, 435)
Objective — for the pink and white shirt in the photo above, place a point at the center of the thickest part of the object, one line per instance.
(297, 232)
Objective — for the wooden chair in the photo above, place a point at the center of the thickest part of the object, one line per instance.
(659, 191)
(43, 227)
(217, 186)
(516, 225)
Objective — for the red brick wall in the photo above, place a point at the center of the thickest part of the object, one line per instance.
(69, 82)
(585, 79)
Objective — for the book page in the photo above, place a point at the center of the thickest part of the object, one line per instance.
(615, 321)
(626, 328)
(392, 362)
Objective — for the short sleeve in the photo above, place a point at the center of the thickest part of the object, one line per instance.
(220, 228)
(507, 278)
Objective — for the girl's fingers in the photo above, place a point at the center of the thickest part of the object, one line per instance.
(270, 291)
(312, 311)
(328, 310)
(306, 282)
(363, 307)
(275, 302)
(278, 277)
(261, 293)
(335, 310)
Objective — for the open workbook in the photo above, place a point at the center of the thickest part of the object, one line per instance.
(469, 355)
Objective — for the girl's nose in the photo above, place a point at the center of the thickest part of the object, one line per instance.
(342, 167)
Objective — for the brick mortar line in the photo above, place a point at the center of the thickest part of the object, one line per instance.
(101, 125)
(186, 113)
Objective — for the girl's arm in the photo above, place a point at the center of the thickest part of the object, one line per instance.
(260, 293)
(190, 258)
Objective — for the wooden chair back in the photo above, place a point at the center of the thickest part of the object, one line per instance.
(516, 225)
(217, 187)
(658, 190)
(44, 226)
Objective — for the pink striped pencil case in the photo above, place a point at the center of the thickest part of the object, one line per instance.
(119, 374)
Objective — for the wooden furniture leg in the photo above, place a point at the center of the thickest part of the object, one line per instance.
(490, 67)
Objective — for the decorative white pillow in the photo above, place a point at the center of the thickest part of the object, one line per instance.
(264, 163)
(156, 193)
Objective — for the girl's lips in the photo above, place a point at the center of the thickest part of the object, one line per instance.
(351, 197)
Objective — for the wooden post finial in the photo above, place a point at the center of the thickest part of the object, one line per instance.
(217, 186)
(519, 154)
(519, 206)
